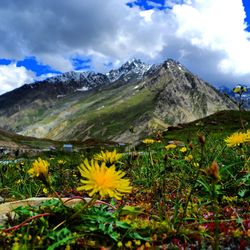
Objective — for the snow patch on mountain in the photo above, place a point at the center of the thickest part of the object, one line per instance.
(134, 67)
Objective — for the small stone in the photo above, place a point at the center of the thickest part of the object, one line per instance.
(2, 199)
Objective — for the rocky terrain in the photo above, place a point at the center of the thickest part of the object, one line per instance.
(122, 105)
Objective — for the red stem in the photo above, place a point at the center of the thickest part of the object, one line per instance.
(25, 223)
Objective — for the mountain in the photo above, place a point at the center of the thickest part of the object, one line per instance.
(122, 105)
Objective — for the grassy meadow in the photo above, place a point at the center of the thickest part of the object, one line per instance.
(186, 188)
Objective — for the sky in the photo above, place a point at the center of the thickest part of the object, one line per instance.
(43, 38)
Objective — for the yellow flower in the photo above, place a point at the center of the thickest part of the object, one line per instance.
(103, 180)
(148, 141)
(128, 244)
(237, 138)
(183, 149)
(170, 146)
(45, 190)
(196, 164)
(39, 168)
(61, 161)
(19, 181)
(248, 136)
(239, 89)
(188, 158)
(108, 157)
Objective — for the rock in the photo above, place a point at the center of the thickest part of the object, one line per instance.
(1, 199)
(8, 207)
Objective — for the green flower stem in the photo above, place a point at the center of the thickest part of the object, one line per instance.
(215, 210)
(54, 191)
(192, 188)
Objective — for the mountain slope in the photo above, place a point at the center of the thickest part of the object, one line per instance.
(122, 105)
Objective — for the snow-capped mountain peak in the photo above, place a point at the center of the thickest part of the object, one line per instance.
(132, 68)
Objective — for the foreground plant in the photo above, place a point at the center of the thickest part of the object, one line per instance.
(40, 170)
(103, 180)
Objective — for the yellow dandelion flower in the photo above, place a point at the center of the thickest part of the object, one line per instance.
(39, 168)
(170, 146)
(148, 141)
(188, 158)
(108, 157)
(183, 149)
(103, 180)
(237, 138)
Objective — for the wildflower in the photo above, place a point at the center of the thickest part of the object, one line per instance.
(147, 245)
(19, 181)
(213, 171)
(45, 190)
(103, 180)
(229, 199)
(248, 136)
(239, 89)
(188, 158)
(148, 141)
(237, 233)
(128, 244)
(61, 162)
(183, 149)
(108, 157)
(170, 146)
(237, 138)
(137, 242)
(119, 244)
(39, 169)
(196, 164)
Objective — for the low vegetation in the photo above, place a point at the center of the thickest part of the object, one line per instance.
(184, 189)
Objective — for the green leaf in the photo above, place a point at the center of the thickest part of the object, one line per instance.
(242, 193)
(130, 210)
(123, 225)
(137, 236)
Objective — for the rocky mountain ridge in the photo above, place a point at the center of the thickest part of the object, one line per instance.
(85, 105)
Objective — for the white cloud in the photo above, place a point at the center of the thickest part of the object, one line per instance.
(147, 15)
(12, 77)
(207, 36)
(217, 25)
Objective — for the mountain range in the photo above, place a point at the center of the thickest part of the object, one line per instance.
(123, 105)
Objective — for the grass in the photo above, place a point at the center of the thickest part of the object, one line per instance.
(191, 195)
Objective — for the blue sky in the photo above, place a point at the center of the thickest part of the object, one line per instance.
(45, 38)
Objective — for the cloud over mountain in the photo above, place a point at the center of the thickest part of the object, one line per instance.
(208, 37)
(10, 76)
